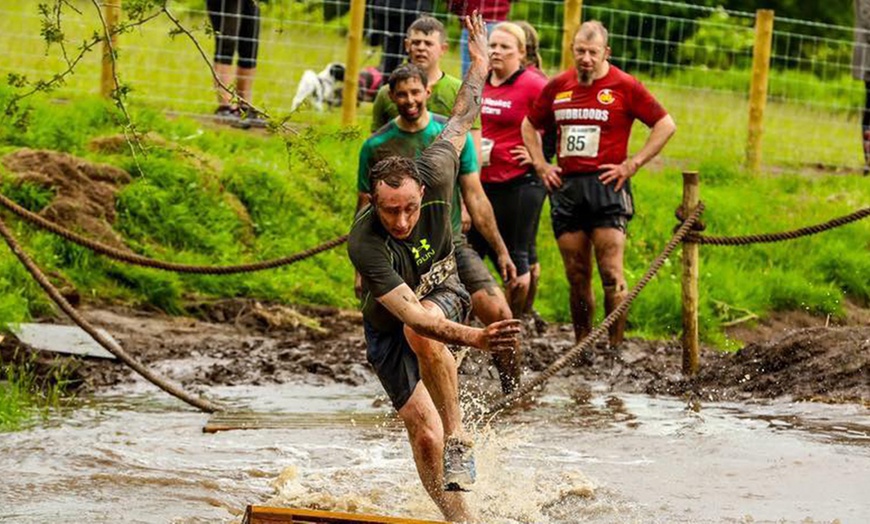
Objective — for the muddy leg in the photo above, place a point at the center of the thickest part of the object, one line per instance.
(426, 435)
(576, 250)
(609, 248)
(489, 305)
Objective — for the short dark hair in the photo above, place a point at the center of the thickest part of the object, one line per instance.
(406, 72)
(393, 171)
(428, 25)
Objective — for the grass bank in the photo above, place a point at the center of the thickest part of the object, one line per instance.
(210, 195)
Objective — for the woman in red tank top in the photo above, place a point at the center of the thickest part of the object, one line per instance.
(514, 190)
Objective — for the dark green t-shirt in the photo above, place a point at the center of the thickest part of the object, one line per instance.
(383, 262)
(390, 140)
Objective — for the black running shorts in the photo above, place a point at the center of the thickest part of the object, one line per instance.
(392, 357)
(583, 203)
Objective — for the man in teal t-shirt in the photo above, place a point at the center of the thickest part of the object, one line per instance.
(408, 135)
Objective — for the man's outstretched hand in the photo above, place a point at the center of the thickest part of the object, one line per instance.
(500, 336)
(477, 37)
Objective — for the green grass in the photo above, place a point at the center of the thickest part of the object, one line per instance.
(25, 396)
(221, 196)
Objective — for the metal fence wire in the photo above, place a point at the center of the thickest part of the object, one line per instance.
(696, 60)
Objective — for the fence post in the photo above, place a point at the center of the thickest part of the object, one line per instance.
(111, 14)
(351, 72)
(691, 360)
(571, 20)
(758, 87)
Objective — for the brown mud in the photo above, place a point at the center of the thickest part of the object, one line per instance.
(244, 342)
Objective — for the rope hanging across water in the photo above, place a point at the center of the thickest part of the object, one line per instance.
(110, 345)
(596, 333)
(139, 260)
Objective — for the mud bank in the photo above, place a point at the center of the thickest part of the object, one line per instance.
(238, 342)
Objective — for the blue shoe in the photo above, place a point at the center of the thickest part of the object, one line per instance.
(459, 468)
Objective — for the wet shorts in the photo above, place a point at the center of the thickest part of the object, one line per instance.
(583, 203)
(472, 271)
(392, 357)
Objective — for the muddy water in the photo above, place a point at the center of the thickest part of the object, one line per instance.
(140, 457)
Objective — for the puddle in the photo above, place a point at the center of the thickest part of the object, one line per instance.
(139, 456)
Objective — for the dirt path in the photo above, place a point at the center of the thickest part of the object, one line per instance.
(243, 342)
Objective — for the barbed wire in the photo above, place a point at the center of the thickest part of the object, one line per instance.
(139, 260)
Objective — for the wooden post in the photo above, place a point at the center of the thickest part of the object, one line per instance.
(691, 360)
(758, 87)
(570, 22)
(351, 72)
(111, 14)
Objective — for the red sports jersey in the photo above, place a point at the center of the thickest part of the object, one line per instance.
(501, 113)
(593, 122)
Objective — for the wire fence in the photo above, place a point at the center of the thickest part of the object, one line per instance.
(696, 60)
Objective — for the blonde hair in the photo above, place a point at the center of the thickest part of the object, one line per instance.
(515, 31)
(533, 57)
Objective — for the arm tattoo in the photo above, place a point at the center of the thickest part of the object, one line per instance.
(467, 106)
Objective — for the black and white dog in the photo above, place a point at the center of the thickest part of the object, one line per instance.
(321, 88)
(325, 87)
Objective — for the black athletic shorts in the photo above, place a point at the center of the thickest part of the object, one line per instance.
(583, 203)
(473, 273)
(392, 357)
(517, 207)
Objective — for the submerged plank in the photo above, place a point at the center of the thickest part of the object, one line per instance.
(266, 515)
(71, 340)
(238, 420)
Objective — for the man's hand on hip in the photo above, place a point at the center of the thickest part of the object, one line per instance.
(618, 173)
(550, 175)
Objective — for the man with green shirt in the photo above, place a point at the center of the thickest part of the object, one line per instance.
(407, 135)
(425, 44)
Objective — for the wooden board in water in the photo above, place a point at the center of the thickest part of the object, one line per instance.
(266, 515)
(235, 420)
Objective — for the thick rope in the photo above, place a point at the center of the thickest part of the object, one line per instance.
(698, 238)
(110, 345)
(138, 260)
(596, 333)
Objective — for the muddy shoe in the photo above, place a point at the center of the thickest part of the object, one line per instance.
(459, 470)
(539, 323)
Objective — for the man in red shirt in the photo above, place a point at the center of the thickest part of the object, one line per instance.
(592, 107)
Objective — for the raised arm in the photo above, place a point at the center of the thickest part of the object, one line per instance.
(468, 99)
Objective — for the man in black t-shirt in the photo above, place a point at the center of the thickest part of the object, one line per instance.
(413, 302)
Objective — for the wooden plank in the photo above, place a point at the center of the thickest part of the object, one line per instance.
(267, 515)
(71, 340)
(239, 420)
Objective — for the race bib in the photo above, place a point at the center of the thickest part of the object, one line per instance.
(486, 146)
(580, 141)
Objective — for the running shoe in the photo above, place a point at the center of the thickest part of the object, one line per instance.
(248, 118)
(459, 469)
(225, 114)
